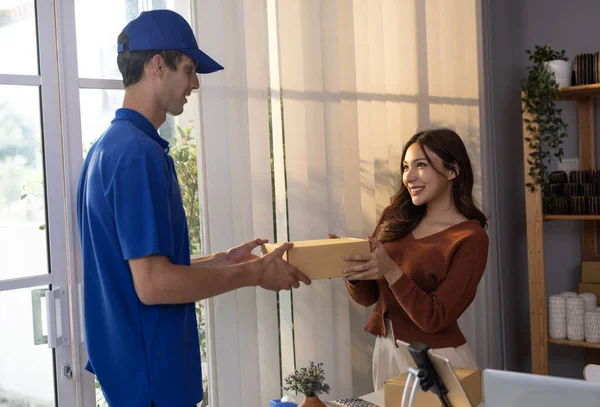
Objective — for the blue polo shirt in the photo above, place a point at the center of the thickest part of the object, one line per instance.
(129, 206)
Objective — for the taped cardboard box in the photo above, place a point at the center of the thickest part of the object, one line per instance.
(323, 258)
(470, 380)
(590, 271)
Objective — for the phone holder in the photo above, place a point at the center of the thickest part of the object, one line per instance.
(424, 374)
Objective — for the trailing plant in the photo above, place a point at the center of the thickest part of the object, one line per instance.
(545, 126)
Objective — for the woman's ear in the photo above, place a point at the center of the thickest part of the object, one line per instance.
(453, 171)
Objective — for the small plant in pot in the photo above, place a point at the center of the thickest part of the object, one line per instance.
(309, 381)
(545, 126)
(557, 63)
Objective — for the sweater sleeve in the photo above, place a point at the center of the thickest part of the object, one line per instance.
(433, 311)
(366, 292)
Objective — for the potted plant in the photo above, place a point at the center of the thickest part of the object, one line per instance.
(545, 126)
(558, 64)
(309, 381)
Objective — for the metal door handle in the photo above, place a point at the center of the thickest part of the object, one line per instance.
(57, 317)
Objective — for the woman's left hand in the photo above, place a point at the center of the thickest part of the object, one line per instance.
(374, 265)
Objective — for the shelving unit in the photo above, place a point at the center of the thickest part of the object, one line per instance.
(571, 217)
(584, 97)
(580, 344)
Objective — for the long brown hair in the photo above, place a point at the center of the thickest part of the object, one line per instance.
(403, 216)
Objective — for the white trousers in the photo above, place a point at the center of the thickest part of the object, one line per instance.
(388, 362)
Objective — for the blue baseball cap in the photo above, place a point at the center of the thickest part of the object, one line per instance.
(161, 30)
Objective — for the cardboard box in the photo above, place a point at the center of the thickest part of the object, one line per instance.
(324, 258)
(590, 271)
(590, 288)
(470, 380)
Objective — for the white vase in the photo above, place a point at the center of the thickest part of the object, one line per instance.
(562, 71)
(567, 294)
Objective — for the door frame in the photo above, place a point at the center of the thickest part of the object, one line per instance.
(61, 233)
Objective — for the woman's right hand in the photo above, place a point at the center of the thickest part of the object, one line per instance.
(374, 265)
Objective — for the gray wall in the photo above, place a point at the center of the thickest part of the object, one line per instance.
(512, 27)
(501, 76)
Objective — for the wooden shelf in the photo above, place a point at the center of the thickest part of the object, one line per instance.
(571, 217)
(574, 92)
(574, 343)
(584, 99)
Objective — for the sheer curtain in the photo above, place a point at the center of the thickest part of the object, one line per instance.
(243, 334)
(351, 81)
(358, 78)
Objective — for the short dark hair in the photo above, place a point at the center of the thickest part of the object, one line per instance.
(131, 63)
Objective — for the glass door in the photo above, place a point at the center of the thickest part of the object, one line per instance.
(36, 352)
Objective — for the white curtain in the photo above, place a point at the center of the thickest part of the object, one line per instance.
(243, 341)
(357, 79)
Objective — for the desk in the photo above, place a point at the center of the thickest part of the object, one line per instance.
(377, 398)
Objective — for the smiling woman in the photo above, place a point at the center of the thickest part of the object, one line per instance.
(429, 255)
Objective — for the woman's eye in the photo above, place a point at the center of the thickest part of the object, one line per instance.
(421, 165)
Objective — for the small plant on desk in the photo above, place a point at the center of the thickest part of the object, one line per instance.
(309, 381)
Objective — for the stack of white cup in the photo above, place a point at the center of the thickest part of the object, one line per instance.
(574, 317)
(557, 312)
(589, 300)
(592, 326)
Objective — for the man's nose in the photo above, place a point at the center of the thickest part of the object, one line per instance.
(195, 82)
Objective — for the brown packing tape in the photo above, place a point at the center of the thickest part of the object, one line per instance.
(323, 258)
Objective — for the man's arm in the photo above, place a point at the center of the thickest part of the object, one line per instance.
(209, 260)
(158, 281)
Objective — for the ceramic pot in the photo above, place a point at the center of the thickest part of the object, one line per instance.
(312, 401)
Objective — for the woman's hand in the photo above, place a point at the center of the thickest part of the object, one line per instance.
(374, 265)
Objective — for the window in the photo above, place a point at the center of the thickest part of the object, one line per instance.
(32, 210)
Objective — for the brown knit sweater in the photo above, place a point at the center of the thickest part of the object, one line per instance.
(441, 274)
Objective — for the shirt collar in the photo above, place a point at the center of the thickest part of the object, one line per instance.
(141, 123)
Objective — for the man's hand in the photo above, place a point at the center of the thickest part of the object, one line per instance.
(243, 252)
(276, 274)
(374, 265)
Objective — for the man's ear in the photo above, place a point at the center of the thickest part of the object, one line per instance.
(453, 171)
(157, 65)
